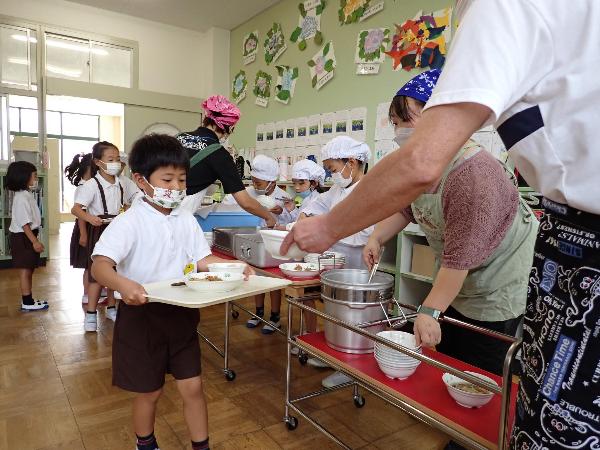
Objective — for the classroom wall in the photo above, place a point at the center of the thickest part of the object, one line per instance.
(346, 90)
(171, 60)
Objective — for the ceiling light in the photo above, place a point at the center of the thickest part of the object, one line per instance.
(20, 61)
(82, 47)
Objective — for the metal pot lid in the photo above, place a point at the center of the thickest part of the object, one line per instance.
(357, 279)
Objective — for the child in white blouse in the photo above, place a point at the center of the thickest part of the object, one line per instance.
(26, 220)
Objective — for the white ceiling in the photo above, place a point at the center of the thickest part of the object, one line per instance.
(198, 15)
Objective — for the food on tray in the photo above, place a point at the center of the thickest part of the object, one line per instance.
(178, 283)
(299, 268)
(470, 388)
(207, 278)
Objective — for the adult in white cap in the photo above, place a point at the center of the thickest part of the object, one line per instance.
(541, 90)
(308, 177)
(211, 162)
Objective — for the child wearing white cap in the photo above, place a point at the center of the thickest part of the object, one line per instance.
(345, 158)
(264, 173)
(308, 177)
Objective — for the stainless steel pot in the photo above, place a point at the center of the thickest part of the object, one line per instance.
(348, 297)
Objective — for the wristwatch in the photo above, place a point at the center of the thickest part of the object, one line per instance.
(435, 313)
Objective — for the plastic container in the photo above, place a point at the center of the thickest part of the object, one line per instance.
(228, 219)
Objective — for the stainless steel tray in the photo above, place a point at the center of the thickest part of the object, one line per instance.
(251, 249)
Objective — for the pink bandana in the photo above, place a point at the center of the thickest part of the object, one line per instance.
(221, 111)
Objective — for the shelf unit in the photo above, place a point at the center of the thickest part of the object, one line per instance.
(5, 217)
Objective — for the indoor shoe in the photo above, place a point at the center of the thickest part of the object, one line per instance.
(38, 305)
(335, 379)
(271, 327)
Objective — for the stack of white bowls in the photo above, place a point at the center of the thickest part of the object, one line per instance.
(395, 364)
(327, 260)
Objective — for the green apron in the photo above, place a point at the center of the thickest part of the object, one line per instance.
(497, 289)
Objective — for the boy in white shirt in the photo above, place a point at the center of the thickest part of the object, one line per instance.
(154, 241)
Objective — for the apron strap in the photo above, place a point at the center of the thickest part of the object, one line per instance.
(103, 197)
(121, 189)
(204, 153)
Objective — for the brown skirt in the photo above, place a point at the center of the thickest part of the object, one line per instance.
(22, 252)
(78, 254)
(152, 340)
(94, 234)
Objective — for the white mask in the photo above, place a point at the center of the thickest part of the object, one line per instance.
(165, 198)
(34, 186)
(402, 135)
(112, 168)
(263, 191)
(339, 180)
(461, 9)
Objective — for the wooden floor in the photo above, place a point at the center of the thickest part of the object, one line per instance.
(56, 392)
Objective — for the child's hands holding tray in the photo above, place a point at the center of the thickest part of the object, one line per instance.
(133, 293)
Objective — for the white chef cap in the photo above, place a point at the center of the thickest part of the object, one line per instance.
(308, 170)
(346, 147)
(264, 168)
(124, 157)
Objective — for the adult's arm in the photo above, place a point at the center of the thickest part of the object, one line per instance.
(392, 186)
(253, 207)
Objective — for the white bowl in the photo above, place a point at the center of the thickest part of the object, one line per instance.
(273, 240)
(230, 281)
(227, 267)
(467, 399)
(401, 373)
(404, 362)
(307, 270)
(266, 201)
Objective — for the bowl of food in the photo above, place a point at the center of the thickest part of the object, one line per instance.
(299, 270)
(273, 240)
(214, 281)
(467, 394)
(266, 201)
(233, 267)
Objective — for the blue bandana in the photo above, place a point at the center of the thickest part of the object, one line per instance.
(421, 86)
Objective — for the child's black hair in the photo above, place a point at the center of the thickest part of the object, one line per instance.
(154, 151)
(315, 184)
(76, 170)
(98, 152)
(18, 175)
(399, 107)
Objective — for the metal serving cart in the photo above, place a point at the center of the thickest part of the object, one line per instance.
(423, 396)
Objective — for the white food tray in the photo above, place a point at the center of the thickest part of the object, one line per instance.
(163, 292)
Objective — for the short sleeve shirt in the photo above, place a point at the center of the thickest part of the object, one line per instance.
(149, 246)
(24, 211)
(88, 196)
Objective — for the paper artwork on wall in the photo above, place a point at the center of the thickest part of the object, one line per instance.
(314, 125)
(384, 148)
(327, 128)
(260, 137)
(286, 83)
(309, 23)
(269, 136)
(322, 66)
(301, 131)
(422, 42)
(262, 88)
(371, 46)
(239, 87)
(274, 44)
(384, 129)
(279, 133)
(342, 119)
(290, 133)
(358, 120)
(352, 11)
(250, 47)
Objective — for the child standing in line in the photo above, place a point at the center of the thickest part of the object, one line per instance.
(26, 219)
(152, 339)
(103, 197)
(78, 172)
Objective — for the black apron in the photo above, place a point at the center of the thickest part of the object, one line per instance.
(94, 232)
(558, 404)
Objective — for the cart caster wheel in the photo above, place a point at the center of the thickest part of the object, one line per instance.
(235, 314)
(303, 358)
(291, 423)
(359, 401)
(229, 375)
